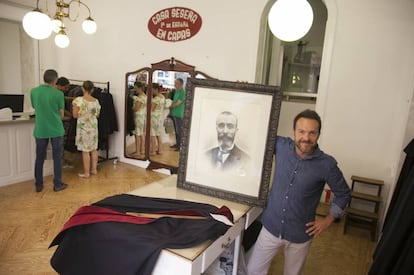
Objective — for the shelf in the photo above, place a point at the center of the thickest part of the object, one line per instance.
(367, 180)
(366, 197)
(361, 213)
(361, 223)
(301, 94)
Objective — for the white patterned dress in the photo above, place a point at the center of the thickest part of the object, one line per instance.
(87, 124)
(156, 115)
(140, 115)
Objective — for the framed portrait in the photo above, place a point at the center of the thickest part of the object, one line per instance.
(228, 138)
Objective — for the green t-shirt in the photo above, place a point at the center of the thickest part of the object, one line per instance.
(47, 102)
(179, 110)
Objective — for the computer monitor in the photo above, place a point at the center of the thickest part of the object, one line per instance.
(14, 102)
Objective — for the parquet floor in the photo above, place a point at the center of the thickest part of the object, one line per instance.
(29, 221)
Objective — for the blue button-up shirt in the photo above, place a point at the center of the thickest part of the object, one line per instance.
(297, 187)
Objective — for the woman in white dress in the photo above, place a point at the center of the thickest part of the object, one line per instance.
(140, 114)
(157, 106)
(86, 109)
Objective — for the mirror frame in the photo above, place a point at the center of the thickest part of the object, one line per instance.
(165, 65)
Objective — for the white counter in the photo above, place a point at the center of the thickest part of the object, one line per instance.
(18, 152)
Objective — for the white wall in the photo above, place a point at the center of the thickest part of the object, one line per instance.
(10, 71)
(20, 63)
(369, 87)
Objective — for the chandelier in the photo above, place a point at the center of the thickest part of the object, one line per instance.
(40, 25)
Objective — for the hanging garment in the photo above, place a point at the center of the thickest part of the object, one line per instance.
(394, 253)
(103, 239)
(71, 136)
(405, 170)
(107, 121)
(130, 116)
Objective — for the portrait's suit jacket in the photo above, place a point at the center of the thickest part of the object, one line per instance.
(236, 160)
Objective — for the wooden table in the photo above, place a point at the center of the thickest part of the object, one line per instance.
(196, 260)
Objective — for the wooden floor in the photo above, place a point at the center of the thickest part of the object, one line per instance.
(29, 221)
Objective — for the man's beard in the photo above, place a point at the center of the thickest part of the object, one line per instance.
(301, 145)
(225, 141)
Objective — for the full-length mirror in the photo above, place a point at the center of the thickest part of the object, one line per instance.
(154, 108)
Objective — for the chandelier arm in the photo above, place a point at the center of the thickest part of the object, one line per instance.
(89, 11)
(77, 15)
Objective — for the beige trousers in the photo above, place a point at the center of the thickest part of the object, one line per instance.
(266, 248)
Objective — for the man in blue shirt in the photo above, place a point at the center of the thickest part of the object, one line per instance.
(288, 219)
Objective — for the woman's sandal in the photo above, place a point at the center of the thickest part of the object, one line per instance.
(94, 172)
(82, 175)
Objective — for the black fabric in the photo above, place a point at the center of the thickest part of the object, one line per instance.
(394, 253)
(405, 170)
(107, 120)
(70, 141)
(124, 248)
(132, 203)
(75, 91)
(251, 234)
(130, 116)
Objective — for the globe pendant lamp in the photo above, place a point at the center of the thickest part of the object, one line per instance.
(290, 20)
(37, 24)
(61, 39)
(89, 26)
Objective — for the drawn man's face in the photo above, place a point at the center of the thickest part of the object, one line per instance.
(226, 125)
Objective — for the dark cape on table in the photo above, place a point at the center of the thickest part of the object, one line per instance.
(394, 254)
(103, 239)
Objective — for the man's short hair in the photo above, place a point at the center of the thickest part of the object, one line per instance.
(62, 81)
(309, 114)
(180, 80)
(50, 76)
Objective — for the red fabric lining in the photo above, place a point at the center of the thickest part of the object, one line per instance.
(95, 214)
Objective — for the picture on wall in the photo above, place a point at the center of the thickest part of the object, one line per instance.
(229, 132)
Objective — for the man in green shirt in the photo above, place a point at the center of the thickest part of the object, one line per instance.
(177, 111)
(49, 105)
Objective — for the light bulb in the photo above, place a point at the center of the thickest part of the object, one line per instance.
(89, 26)
(57, 24)
(61, 39)
(290, 20)
(37, 24)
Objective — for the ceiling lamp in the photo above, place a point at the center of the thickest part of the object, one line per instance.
(40, 25)
(61, 39)
(290, 20)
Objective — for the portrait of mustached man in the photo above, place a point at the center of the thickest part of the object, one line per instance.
(227, 156)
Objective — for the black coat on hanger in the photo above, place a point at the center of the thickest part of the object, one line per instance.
(395, 251)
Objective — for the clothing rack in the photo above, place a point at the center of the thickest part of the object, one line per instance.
(105, 87)
(94, 83)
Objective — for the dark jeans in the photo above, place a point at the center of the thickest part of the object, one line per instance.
(178, 124)
(57, 151)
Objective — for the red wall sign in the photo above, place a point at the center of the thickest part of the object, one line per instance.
(174, 24)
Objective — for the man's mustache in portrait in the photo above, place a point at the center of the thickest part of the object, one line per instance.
(225, 138)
